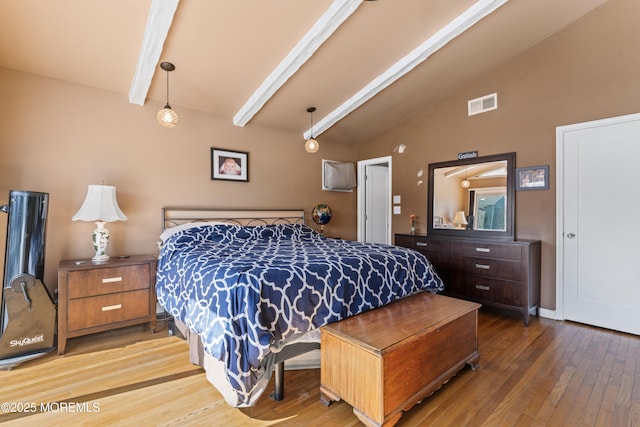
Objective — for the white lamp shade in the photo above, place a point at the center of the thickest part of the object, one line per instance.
(459, 218)
(100, 205)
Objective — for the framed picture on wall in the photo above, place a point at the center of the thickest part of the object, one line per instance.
(532, 178)
(229, 165)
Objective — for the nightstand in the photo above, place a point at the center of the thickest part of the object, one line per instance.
(100, 296)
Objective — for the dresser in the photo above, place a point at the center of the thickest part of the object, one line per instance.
(100, 296)
(499, 274)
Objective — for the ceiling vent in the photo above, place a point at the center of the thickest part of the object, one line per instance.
(483, 104)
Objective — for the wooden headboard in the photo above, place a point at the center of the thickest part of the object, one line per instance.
(172, 217)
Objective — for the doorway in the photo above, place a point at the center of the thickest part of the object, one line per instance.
(374, 200)
(598, 273)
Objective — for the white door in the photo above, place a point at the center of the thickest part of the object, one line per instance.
(599, 225)
(377, 204)
(374, 201)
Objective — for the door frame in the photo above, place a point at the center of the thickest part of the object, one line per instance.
(362, 192)
(560, 134)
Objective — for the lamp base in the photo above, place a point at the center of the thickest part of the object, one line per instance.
(100, 239)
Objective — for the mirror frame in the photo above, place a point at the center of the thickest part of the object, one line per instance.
(507, 234)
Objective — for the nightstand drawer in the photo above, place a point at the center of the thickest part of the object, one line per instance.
(101, 281)
(106, 309)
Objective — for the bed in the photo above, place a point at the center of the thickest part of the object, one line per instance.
(252, 288)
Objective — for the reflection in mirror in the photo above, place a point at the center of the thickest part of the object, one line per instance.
(489, 208)
(472, 197)
(478, 191)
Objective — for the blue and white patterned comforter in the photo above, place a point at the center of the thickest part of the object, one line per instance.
(243, 289)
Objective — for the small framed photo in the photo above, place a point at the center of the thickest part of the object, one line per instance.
(532, 178)
(229, 165)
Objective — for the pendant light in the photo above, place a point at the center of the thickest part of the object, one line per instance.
(167, 117)
(465, 183)
(311, 145)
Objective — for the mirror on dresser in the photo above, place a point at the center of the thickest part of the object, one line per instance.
(472, 197)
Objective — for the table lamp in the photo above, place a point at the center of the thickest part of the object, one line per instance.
(459, 220)
(100, 206)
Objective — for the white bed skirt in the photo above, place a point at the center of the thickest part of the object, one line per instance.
(216, 372)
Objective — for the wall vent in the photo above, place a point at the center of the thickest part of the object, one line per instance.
(483, 104)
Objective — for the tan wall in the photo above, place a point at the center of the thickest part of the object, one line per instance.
(58, 137)
(590, 70)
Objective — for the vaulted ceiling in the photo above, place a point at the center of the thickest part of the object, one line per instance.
(367, 62)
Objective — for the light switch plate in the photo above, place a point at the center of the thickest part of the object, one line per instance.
(396, 200)
(397, 210)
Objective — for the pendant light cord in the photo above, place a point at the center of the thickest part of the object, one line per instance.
(167, 88)
(310, 110)
(312, 125)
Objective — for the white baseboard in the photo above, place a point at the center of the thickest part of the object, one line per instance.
(549, 314)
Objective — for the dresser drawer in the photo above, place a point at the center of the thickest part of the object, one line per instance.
(107, 309)
(422, 243)
(435, 250)
(101, 281)
(487, 289)
(486, 250)
(488, 267)
(440, 262)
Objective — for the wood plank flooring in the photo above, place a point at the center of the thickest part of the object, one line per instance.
(549, 374)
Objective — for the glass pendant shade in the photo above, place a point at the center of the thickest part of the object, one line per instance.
(311, 145)
(466, 183)
(167, 117)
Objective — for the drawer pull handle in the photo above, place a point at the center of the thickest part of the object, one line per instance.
(424, 244)
(483, 288)
(112, 279)
(487, 250)
(483, 266)
(112, 307)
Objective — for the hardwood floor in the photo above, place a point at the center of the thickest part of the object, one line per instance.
(551, 373)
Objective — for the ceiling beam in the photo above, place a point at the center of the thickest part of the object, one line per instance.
(155, 33)
(328, 23)
(457, 26)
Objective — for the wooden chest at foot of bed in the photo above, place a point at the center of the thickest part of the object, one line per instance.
(384, 361)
